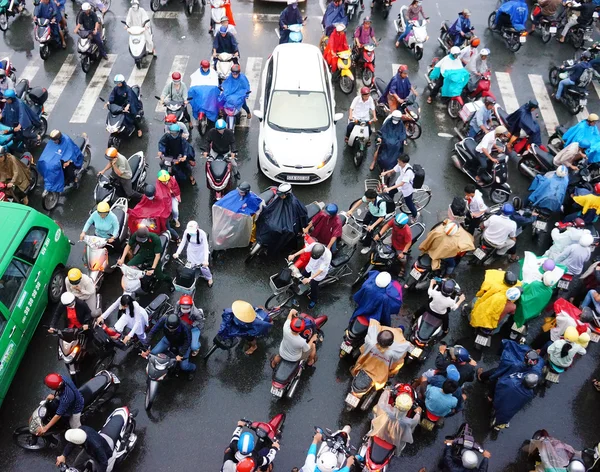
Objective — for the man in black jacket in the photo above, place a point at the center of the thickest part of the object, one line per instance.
(76, 312)
(219, 140)
(95, 446)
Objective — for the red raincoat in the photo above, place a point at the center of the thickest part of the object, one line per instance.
(337, 43)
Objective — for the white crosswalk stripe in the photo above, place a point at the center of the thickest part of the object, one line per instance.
(60, 82)
(509, 97)
(31, 69)
(543, 99)
(253, 70)
(179, 64)
(138, 76)
(92, 92)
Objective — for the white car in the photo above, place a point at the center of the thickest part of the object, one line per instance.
(297, 141)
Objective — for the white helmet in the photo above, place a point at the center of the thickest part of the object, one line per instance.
(484, 52)
(403, 402)
(586, 240)
(513, 294)
(562, 171)
(192, 226)
(548, 278)
(327, 462)
(469, 459)
(67, 298)
(86, 6)
(396, 115)
(455, 50)
(576, 466)
(451, 228)
(76, 436)
(383, 279)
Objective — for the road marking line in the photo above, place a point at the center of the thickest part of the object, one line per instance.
(252, 71)
(138, 76)
(166, 15)
(543, 99)
(60, 82)
(265, 17)
(509, 97)
(179, 64)
(93, 90)
(31, 69)
(322, 5)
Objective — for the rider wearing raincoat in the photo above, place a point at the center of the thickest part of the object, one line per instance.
(585, 130)
(337, 43)
(523, 120)
(446, 241)
(152, 211)
(246, 322)
(512, 14)
(55, 155)
(235, 90)
(513, 392)
(17, 115)
(391, 139)
(492, 304)
(548, 191)
(204, 92)
(334, 14)
(379, 298)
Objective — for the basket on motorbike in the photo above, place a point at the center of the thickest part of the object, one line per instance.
(281, 281)
(372, 184)
(351, 232)
(185, 280)
(38, 95)
(467, 111)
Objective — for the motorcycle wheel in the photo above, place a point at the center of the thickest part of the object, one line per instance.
(253, 252)
(553, 76)
(418, 54)
(413, 130)
(368, 400)
(86, 64)
(530, 163)
(514, 44)
(421, 198)
(278, 299)
(3, 21)
(367, 77)
(23, 438)
(44, 52)
(189, 7)
(453, 108)
(346, 84)
(154, 5)
(87, 159)
(33, 180)
(546, 36)
(386, 13)
(151, 389)
(491, 20)
(138, 63)
(498, 196)
(362, 275)
(577, 39)
(359, 156)
(114, 141)
(50, 201)
(574, 107)
(350, 15)
(107, 4)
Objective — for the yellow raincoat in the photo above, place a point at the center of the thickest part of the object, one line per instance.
(588, 201)
(441, 246)
(492, 300)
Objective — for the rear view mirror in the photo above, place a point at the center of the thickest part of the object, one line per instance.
(337, 117)
(258, 114)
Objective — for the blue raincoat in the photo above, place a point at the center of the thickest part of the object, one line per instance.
(280, 222)
(231, 327)
(51, 160)
(334, 15)
(454, 82)
(461, 24)
(510, 397)
(397, 85)
(204, 94)
(232, 220)
(234, 92)
(6, 139)
(125, 95)
(392, 144)
(376, 302)
(18, 113)
(548, 191)
(517, 9)
(583, 131)
(234, 202)
(512, 360)
(523, 119)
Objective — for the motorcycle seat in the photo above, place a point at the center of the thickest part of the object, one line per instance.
(470, 146)
(360, 325)
(156, 304)
(575, 90)
(218, 169)
(267, 194)
(26, 159)
(285, 370)
(416, 231)
(560, 130)
(340, 258)
(446, 25)
(380, 450)
(312, 209)
(343, 219)
(80, 142)
(429, 325)
(21, 88)
(380, 85)
(555, 368)
(120, 216)
(164, 240)
(362, 381)
(134, 163)
(112, 430)
(92, 388)
(502, 115)
(544, 156)
(320, 321)
(425, 261)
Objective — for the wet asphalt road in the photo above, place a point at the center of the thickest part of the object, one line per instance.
(191, 422)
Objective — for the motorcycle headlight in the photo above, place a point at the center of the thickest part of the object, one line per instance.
(269, 155)
(158, 366)
(326, 159)
(413, 114)
(42, 410)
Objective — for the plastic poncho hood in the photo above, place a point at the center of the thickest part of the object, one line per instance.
(378, 303)
(280, 222)
(232, 218)
(51, 160)
(548, 191)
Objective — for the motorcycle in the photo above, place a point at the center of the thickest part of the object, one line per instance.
(351, 7)
(496, 179)
(159, 367)
(217, 11)
(156, 5)
(266, 433)
(365, 63)
(49, 198)
(177, 108)
(446, 42)
(286, 375)
(344, 73)
(224, 63)
(6, 63)
(574, 98)
(579, 34)
(34, 97)
(95, 392)
(221, 174)
(115, 121)
(554, 454)
(358, 140)
(354, 337)
(425, 332)
(421, 273)
(409, 108)
(6, 194)
(535, 162)
(137, 42)
(483, 336)
(336, 442)
(363, 390)
(42, 32)
(416, 40)
(456, 103)
(86, 47)
(548, 27)
(6, 11)
(233, 115)
(295, 33)
(482, 90)
(513, 38)
(108, 188)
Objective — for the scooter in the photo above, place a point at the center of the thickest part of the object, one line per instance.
(6, 194)
(5, 62)
(513, 38)
(233, 115)
(336, 442)
(351, 7)
(221, 174)
(421, 273)
(158, 368)
(266, 433)
(86, 47)
(42, 32)
(95, 392)
(588, 458)
(365, 64)
(217, 11)
(354, 337)
(108, 188)
(358, 140)
(375, 454)
(496, 179)
(425, 332)
(417, 38)
(548, 27)
(8, 9)
(137, 41)
(535, 162)
(286, 375)
(482, 90)
(344, 72)
(50, 198)
(464, 440)
(224, 64)
(446, 42)
(176, 108)
(363, 391)
(295, 33)
(115, 121)
(455, 103)
(574, 98)
(483, 336)
(34, 97)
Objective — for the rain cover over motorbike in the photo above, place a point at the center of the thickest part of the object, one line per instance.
(280, 222)
(232, 218)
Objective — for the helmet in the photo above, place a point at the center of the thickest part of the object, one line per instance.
(74, 275)
(531, 358)
(450, 228)
(571, 334)
(596, 191)
(246, 443)
(367, 19)
(517, 203)
(119, 78)
(533, 104)
(593, 117)
(513, 294)
(586, 56)
(548, 264)
(385, 338)
(340, 27)
(170, 118)
(174, 128)
(53, 381)
(185, 303)
(103, 207)
(204, 63)
(220, 124)
(298, 324)
(448, 287)
(455, 50)
(76, 436)
(192, 226)
(586, 240)
(244, 187)
(111, 152)
(404, 402)
(461, 354)
(55, 135)
(530, 380)
(284, 189)
(508, 209)
(548, 279)
(475, 42)
(236, 68)
(67, 298)
(86, 6)
(327, 462)
(317, 251)
(403, 68)
(163, 176)
(332, 209)
(584, 144)
(396, 115)
(489, 101)
(141, 235)
(10, 93)
(246, 465)
(576, 466)
(587, 315)
(150, 191)
(510, 278)
(172, 322)
(466, 12)
(176, 76)
(401, 219)
(383, 279)
(500, 130)
(452, 373)
(484, 52)
(365, 91)
(469, 459)
(584, 339)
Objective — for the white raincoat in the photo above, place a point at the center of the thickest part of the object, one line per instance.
(137, 17)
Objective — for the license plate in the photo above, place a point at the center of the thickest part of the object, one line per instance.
(479, 253)
(482, 340)
(523, 38)
(352, 400)
(552, 377)
(428, 425)
(416, 352)
(346, 348)
(298, 178)
(517, 330)
(415, 274)
(583, 102)
(541, 225)
(553, 29)
(594, 337)
(277, 392)
(564, 284)
(595, 15)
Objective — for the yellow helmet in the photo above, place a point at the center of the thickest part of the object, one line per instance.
(163, 176)
(571, 334)
(583, 340)
(593, 117)
(103, 207)
(403, 402)
(74, 275)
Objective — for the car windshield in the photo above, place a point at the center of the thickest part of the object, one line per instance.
(296, 111)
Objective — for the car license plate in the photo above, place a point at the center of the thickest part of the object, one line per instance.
(482, 340)
(541, 225)
(583, 102)
(277, 392)
(352, 400)
(479, 253)
(552, 377)
(553, 29)
(594, 337)
(416, 352)
(523, 38)
(346, 348)
(298, 178)
(564, 284)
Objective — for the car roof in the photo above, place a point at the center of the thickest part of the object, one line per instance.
(298, 67)
(12, 218)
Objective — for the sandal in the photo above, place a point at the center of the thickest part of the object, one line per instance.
(192, 181)
(429, 100)
(596, 384)
(479, 372)
(250, 350)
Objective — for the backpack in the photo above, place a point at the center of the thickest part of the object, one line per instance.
(390, 205)
(419, 176)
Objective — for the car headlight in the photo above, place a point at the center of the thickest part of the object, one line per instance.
(269, 155)
(326, 159)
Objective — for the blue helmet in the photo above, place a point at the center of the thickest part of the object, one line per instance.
(461, 354)
(246, 443)
(9, 93)
(584, 144)
(401, 219)
(508, 209)
(174, 128)
(220, 124)
(332, 209)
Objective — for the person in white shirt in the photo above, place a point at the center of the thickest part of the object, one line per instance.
(294, 346)
(197, 250)
(500, 231)
(362, 108)
(443, 300)
(484, 149)
(404, 181)
(82, 287)
(131, 315)
(469, 52)
(316, 269)
(476, 207)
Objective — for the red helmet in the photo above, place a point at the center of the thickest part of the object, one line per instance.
(578, 222)
(298, 325)
(246, 465)
(176, 76)
(475, 42)
(53, 381)
(403, 68)
(597, 188)
(236, 68)
(205, 64)
(365, 91)
(170, 118)
(186, 300)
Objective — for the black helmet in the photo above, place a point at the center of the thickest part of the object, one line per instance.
(317, 251)
(172, 322)
(586, 56)
(531, 357)
(244, 187)
(458, 206)
(448, 287)
(510, 278)
(587, 315)
(141, 235)
(517, 203)
(531, 380)
(150, 190)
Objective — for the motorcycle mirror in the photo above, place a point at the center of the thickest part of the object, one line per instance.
(337, 117)
(258, 114)
(124, 22)
(101, 99)
(157, 97)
